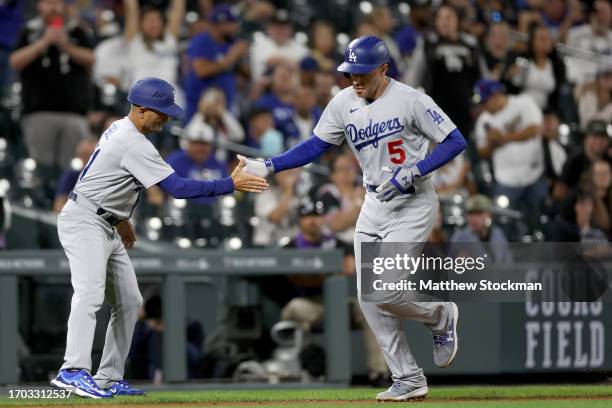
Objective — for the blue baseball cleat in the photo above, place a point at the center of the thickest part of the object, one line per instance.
(122, 387)
(446, 344)
(81, 383)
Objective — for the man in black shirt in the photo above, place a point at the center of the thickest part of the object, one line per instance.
(447, 64)
(595, 145)
(53, 57)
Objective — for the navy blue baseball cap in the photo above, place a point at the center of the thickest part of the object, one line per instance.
(485, 88)
(223, 13)
(364, 54)
(155, 94)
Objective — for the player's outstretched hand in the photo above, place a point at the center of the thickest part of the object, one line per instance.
(401, 182)
(247, 182)
(126, 232)
(255, 167)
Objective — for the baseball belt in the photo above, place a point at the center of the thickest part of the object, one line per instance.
(90, 205)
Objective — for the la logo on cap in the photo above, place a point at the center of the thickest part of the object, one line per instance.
(352, 56)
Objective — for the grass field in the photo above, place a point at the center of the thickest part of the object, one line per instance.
(564, 396)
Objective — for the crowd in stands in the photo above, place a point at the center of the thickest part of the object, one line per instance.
(528, 82)
(254, 75)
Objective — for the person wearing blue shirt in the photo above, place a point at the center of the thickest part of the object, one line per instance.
(213, 56)
(279, 100)
(197, 160)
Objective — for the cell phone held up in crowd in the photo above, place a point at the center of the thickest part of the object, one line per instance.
(57, 22)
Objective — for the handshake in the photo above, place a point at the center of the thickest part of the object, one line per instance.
(248, 180)
(401, 181)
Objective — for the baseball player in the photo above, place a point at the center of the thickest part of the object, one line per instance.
(95, 231)
(389, 126)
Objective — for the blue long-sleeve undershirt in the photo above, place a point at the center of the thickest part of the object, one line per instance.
(443, 153)
(179, 187)
(300, 154)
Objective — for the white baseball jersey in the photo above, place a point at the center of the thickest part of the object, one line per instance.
(124, 161)
(394, 130)
(515, 164)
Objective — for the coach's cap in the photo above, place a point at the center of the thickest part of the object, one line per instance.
(478, 203)
(201, 132)
(223, 13)
(155, 94)
(485, 88)
(596, 127)
(308, 206)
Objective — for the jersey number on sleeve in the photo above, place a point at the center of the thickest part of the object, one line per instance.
(89, 163)
(398, 155)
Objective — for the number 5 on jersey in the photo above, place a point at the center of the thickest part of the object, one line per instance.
(396, 152)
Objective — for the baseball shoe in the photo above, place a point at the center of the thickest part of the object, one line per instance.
(402, 392)
(122, 387)
(81, 383)
(445, 345)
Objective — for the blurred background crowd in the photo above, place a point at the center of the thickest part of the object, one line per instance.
(254, 77)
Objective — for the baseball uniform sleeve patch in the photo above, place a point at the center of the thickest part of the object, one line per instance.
(432, 120)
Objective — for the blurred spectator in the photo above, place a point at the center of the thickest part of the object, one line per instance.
(308, 69)
(276, 208)
(509, 132)
(446, 63)
(53, 58)
(323, 46)
(280, 98)
(455, 177)
(595, 145)
(555, 155)
(307, 113)
(541, 73)
(152, 45)
(479, 230)
(342, 197)
(212, 112)
(497, 56)
(263, 134)
(560, 16)
(421, 16)
(145, 357)
(594, 37)
(324, 87)
(276, 45)
(197, 161)
(10, 25)
(383, 20)
(70, 176)
(213, 58)
(599, 182)
(256, 15)
(492, 12)
(112, 64)
(595, 98)
(466, 12)
(307, 307)
(574, 223)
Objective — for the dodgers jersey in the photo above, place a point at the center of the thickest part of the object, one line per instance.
(123, 163)
(394, 130)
